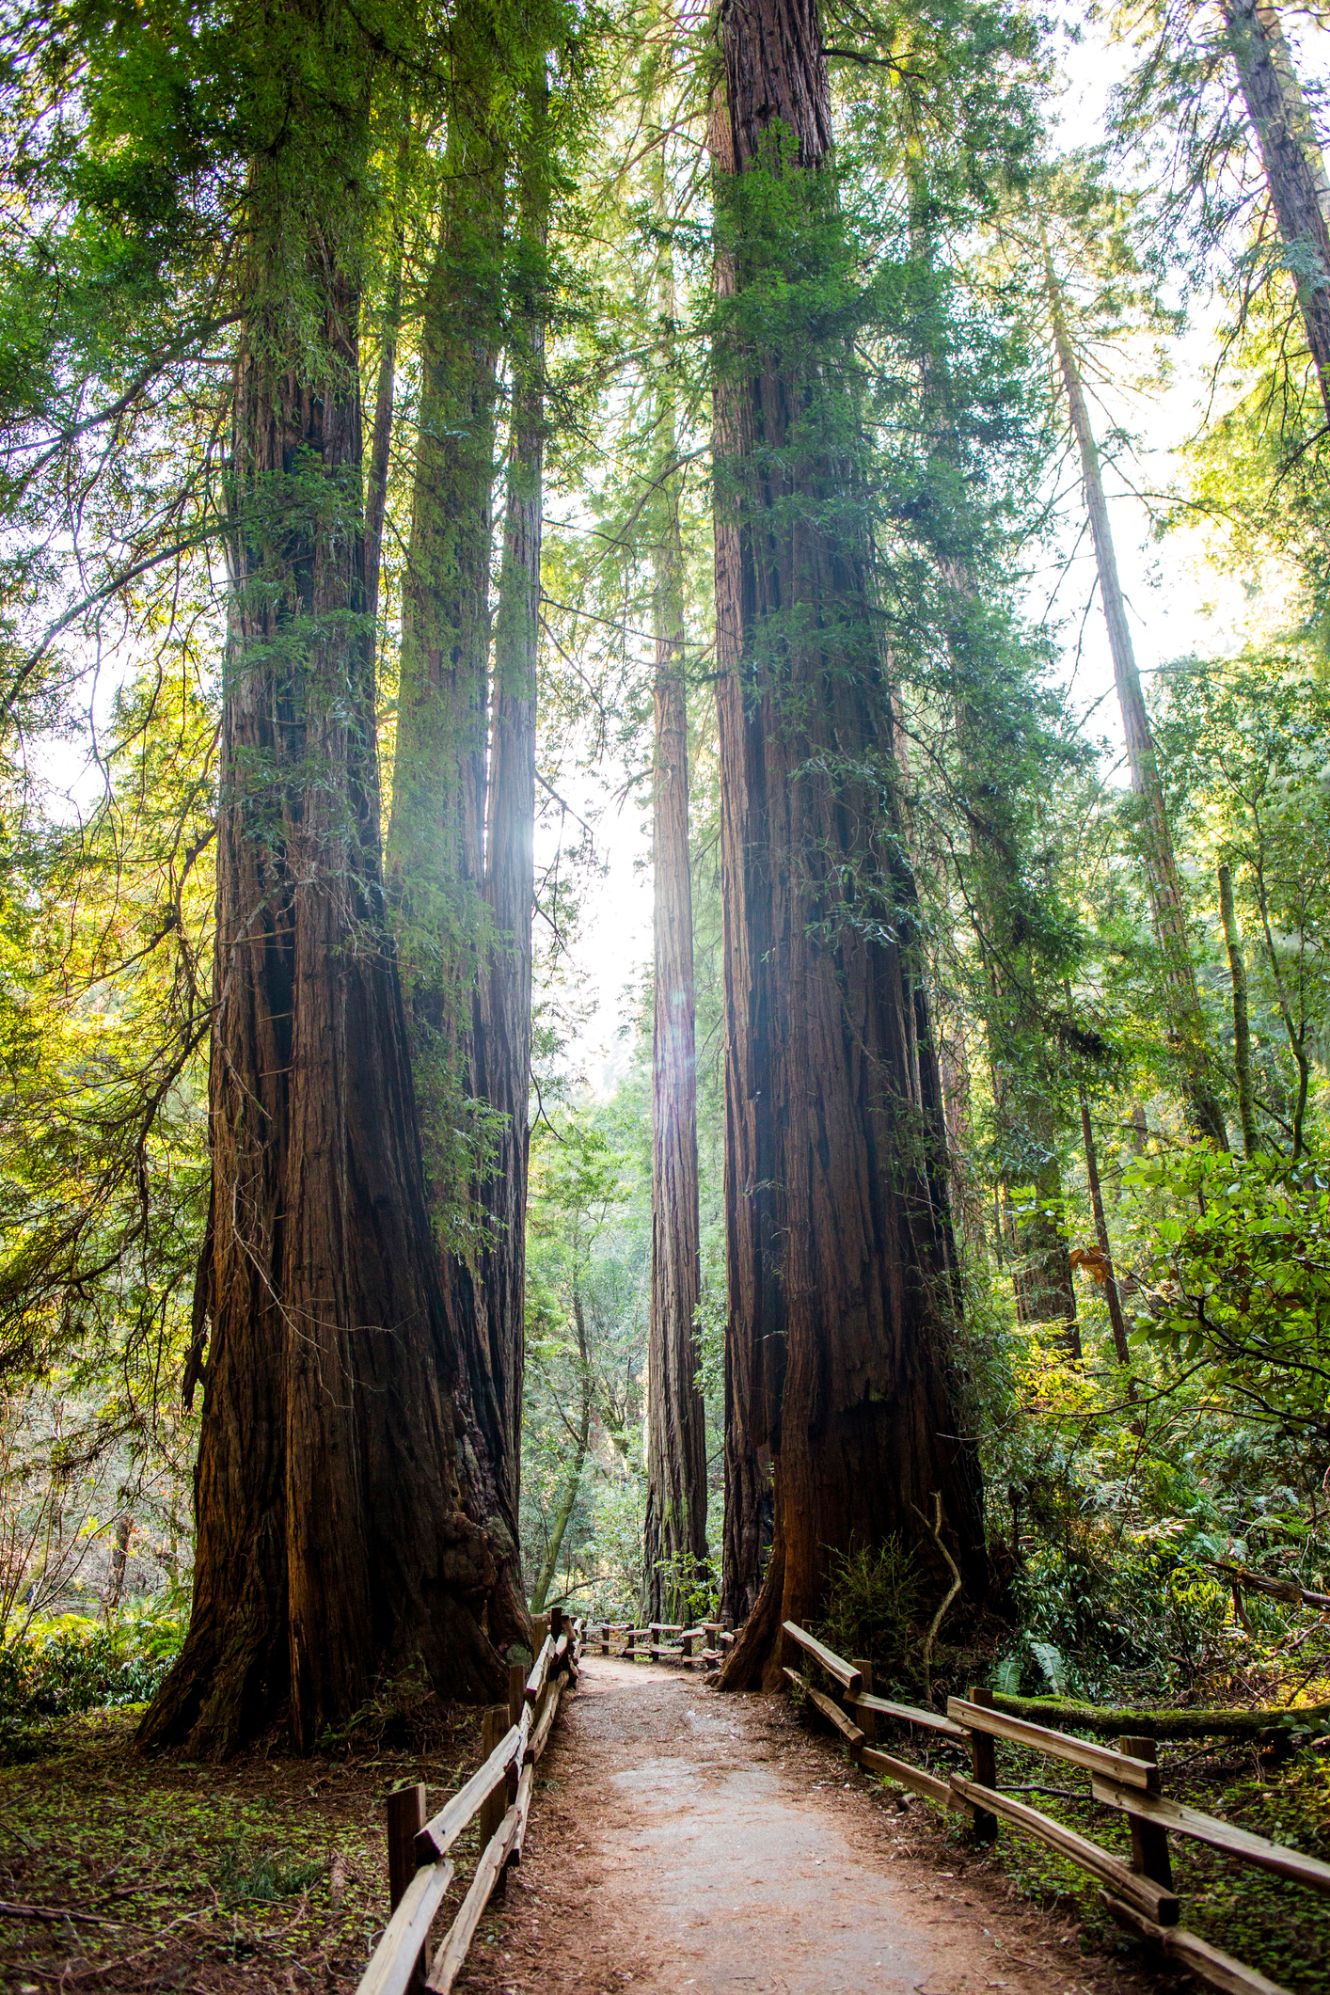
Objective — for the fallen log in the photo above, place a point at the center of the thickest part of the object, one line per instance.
(1108, 1721)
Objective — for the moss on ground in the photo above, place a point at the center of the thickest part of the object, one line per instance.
(266, 1873)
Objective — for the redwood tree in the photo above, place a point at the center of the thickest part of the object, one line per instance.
(842, 1298)
(676, 1513)
(444, 917)
(334, 1547)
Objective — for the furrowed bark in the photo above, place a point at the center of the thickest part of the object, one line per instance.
(675, 1541)
(754, 1363)
(504, 1046)
(436, 842)
(1167, 905)
(840, 1258)
(1294, 168)
(333, 1549)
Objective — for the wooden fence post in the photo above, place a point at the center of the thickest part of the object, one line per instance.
(406, 1815)
(1149, 1840)
(865, 1720)
(983, 1766)
(492, 1811)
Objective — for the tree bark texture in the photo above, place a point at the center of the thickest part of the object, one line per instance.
(842, 1295)
(675, 1542)
(334, 1549)
(504, 1042)
(440, 894)
(1294, 168)
(1186, 1022)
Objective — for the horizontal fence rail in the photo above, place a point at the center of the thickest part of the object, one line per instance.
(663, 1642)
(1124, 1777)
(499, 1792)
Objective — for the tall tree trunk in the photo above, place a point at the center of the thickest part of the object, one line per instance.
(1237, 971)
(333, 1549)
(121, 1534)
(1161, 867)
(754, 1361)
(568, 1496)
(504, 1040)
(1294, 168)
(1112, 1295)
(1295, 1029)
(840, 1259)
(436, 840)
(675, 1542)
(381, 436)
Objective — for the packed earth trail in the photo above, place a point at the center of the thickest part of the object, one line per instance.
(684, 1839)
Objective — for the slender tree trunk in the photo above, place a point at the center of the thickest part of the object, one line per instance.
(436, 843)
(115, 1577)
(381, 438)
(1294, 168)
(1295, 1033)
(333, 1548)
(841, 1252)
(954, 1076)
(1237, 971)
(675, 1544)
(1161, 869)
(549, 1565)
(1111, 1293)
(504, 1040)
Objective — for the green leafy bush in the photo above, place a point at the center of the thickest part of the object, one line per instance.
(71, 1664)
(873, 1605)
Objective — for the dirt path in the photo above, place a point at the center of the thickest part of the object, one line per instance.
(683, 1839)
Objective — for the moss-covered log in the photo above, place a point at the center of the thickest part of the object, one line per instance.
(1108, 1720)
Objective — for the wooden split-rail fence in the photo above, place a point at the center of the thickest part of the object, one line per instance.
(664, 1642)
(420, 1869)
(1125, 1777)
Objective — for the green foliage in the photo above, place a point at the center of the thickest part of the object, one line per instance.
(873, 1604)
(1238, 1284)
(68, 1664)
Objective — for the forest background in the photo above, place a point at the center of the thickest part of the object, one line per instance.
(1126, 948)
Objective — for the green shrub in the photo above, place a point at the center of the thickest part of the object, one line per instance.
(70, 1664)
(873, 1605)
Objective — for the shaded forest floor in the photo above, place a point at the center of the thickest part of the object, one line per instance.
(265, 1874)
(684, 1839)
(680, 1839)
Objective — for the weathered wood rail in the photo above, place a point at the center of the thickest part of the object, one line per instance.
(499, 1792)
(1124, 1777)
(664, 1642)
